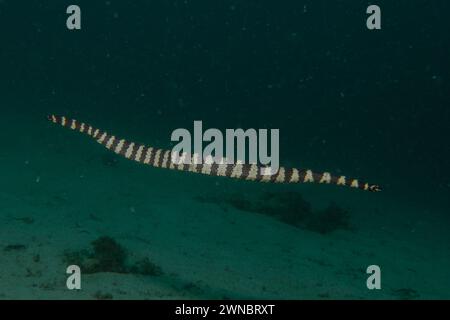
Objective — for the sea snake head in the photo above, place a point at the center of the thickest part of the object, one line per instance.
(375, 188)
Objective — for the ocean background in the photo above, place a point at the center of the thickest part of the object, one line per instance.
(367, 104)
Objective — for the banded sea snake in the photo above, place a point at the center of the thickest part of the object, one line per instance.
(162, 159)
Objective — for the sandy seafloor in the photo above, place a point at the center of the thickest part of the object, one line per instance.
(56, 195)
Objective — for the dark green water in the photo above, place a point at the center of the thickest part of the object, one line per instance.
(370, 104)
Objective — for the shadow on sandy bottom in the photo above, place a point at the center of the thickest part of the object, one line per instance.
(287, 207)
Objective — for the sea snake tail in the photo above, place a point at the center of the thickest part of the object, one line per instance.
(163, 159)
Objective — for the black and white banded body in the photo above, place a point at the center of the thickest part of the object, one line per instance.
(163, 159)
